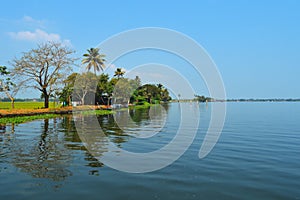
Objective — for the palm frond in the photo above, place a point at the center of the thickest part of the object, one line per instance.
(93, 58)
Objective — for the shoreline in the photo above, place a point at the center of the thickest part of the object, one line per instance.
(24, 115)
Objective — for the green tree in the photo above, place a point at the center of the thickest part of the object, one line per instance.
(94, 59)
(66, 93)
(44, 68)
(5, 80)
(202, 98)
(150, 93)
(4, 71)
(104, 88)
(160, 86)
(119, 73)
(165, 96)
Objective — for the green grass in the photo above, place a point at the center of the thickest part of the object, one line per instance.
(97, 112)
(22, 119)
(147, 105)
(26, 105)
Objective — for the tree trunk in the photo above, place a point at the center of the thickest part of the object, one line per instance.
(12, 103)
(11, 99)
(82, 100)
(69, 100)
(46, 102)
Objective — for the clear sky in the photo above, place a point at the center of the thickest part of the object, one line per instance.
(255, 44)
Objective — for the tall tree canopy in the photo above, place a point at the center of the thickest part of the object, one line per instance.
(94, 59)
(119, 73)
(45, 67)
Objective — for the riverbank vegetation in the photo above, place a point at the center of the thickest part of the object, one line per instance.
(48, 69)
(18, 116)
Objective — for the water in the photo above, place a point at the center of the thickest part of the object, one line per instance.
(256, 157)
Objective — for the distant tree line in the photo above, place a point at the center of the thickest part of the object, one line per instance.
(262, 100)
(203, 98)
(6, 99)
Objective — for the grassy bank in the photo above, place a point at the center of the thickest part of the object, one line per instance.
(18, 116)
(22, 119)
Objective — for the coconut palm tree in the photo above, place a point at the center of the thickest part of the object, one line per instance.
(94, 59)
(119, 73)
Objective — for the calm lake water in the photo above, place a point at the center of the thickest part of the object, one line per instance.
(256, 157)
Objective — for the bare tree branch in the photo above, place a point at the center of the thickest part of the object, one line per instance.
(44, 68)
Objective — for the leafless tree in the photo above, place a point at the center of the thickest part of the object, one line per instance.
(85, 83)
(45, 67)
(12, 91)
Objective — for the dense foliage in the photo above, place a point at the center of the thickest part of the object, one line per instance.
(89, 88)
(203, 98)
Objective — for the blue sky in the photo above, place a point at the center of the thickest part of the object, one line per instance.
(255, 44)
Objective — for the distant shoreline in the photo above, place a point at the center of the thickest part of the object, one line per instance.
(182, 100)
(262, 100)
(240, 100)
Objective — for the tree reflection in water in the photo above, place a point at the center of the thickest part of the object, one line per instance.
(47, 149)
(103, 136)
(73, 142)
(47, 158)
